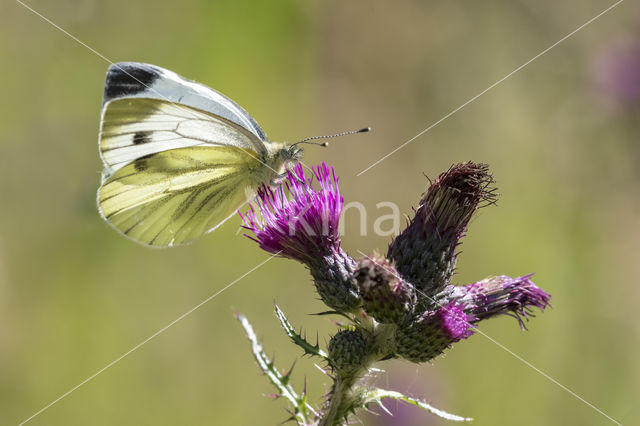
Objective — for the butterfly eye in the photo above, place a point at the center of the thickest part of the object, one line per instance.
(291, 153)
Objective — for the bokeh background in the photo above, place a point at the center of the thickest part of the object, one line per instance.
(561, 137)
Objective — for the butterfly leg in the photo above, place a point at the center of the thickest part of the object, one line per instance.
(276, 181)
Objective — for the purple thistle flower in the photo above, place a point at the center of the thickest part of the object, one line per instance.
(500, 295)
(299, 222)
(454, 322)
(304, 226)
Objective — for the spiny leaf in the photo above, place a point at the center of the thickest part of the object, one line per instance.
(377, 395)
(302, 412)
(297, 337)
(333, 313)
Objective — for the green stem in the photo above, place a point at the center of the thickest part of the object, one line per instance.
(341, 400)
(345, 397)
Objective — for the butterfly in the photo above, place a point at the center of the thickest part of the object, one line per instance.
(179, 158)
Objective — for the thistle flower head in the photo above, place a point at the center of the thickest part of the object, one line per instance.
(304, 225)
(424, 253)
(299, 222)
(501, 295)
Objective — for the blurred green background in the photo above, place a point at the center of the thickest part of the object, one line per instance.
(561, 141)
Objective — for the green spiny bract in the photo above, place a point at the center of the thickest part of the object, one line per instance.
(348, 351)
(427, 336)
(332, 276)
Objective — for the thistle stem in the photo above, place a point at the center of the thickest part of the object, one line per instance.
(345, 396)
(341, 399)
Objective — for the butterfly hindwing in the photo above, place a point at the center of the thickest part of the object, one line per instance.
(173, 197)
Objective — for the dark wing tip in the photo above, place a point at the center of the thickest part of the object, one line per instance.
(128, 79)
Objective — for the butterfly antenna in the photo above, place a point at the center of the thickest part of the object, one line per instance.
(366, 129)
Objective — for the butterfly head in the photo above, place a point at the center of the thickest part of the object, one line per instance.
(291, 154)
(282, 157)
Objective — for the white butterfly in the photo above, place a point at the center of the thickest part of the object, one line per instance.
(179, 158)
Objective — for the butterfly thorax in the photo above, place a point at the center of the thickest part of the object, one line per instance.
(279, 158)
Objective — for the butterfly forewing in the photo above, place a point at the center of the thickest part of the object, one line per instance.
(138, 80)
(135, 127)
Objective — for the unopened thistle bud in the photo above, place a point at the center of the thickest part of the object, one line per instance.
(386, 297)
(428, 335)
(425, 252)
(348, 350)
(304, 226)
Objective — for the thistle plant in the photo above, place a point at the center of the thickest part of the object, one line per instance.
(402, 305)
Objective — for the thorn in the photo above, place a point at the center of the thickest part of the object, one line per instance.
(292, 418)
(322, 370)
(336, 322)
(272, 395)
(288, 374)
(386, 410)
